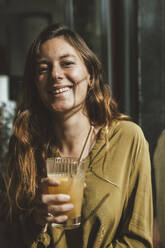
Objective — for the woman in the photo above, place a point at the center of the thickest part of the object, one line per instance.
(63, 95)
(159, 168)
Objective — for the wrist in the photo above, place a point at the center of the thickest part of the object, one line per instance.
(41, 226)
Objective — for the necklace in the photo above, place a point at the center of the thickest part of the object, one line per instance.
(85, 143)
(89, 135)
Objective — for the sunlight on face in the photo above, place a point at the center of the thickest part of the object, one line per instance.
(62, 77)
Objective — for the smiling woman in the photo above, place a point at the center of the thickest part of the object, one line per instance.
(64, 99)
(62, 78)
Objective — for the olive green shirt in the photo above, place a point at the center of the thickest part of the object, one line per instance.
(159, 167)
(117, 209)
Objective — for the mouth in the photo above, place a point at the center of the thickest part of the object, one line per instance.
(59, 91)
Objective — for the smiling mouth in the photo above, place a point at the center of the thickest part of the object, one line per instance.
(61, 90)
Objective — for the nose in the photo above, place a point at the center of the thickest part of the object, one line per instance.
(57, 72)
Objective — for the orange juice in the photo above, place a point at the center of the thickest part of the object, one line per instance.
(72, 186)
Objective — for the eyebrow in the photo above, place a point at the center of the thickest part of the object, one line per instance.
(67, 55)
(44, 61)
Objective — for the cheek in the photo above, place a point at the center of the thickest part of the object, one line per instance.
(41, 82)
(41, 79)
(74, 75)
(78, 75)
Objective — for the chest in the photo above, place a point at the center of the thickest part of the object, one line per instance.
(102, 199)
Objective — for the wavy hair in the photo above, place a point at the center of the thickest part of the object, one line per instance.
(28, 144)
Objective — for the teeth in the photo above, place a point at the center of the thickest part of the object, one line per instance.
(61, 90)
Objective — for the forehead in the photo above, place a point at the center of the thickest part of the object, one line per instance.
(57, 47)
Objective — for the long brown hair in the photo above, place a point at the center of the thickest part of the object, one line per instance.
(28, 144)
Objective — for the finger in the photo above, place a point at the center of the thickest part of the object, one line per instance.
(56, 219)
(49, 199)
(48, 181)
(42, 220)
(57, 209)
(44, 228)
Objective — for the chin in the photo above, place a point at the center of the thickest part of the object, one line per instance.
(59, 109)
(66, 108)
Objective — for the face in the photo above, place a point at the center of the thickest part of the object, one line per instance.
(62, 78)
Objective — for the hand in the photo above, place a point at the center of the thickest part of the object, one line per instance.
(51, 207)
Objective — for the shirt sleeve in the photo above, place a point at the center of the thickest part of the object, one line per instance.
(135, 229)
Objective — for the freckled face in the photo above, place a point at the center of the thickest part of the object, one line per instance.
(62, 77)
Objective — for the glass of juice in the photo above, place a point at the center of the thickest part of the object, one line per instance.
(71, 173)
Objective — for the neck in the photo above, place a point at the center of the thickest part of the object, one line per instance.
(71, 135)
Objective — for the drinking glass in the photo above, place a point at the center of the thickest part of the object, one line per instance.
(71, 173)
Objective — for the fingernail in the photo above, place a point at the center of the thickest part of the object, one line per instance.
(66, 197)
(64, 218)
(56, 181)
(70, 206)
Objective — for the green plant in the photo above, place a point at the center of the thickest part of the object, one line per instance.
(6, 119)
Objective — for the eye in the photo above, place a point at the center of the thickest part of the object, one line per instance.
(42, 70)
(67, 63)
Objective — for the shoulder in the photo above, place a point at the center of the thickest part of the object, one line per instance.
(128, 137)
(131, 142)
(160, 146)
(123, 137)
(161, 138)
(159, 154)
(128, 129)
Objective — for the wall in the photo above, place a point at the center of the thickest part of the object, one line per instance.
(20, 21)
(152, 68)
